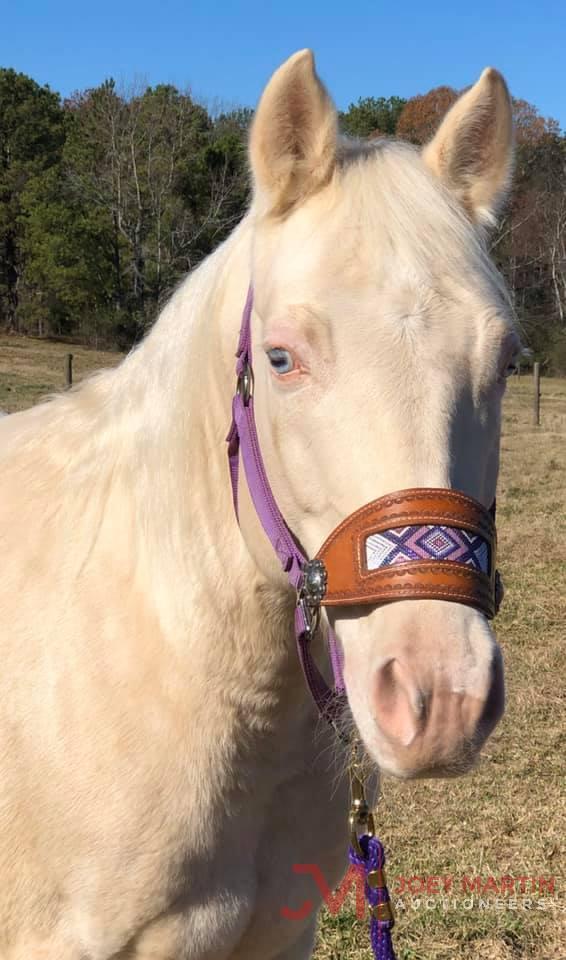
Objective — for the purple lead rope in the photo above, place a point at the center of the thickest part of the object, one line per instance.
(243, 439)
(377, 895)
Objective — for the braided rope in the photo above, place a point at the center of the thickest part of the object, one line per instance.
(373, 861)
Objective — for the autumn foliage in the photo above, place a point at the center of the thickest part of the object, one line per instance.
(421, 115)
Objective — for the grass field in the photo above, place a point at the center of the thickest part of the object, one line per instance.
(30, 368)
(507, 818)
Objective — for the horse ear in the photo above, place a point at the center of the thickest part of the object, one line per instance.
(294, 136)
(472, 152)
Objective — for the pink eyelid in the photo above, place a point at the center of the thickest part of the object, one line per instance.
(293, 374)
(299, 368)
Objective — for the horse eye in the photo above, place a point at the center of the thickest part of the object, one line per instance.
(281, 360)
(511, 369)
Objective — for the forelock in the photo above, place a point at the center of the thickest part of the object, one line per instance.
(394, 200)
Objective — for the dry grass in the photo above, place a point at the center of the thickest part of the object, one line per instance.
(30, 368)
(506, 818)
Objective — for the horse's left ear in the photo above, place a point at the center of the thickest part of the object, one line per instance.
(472, 152)
(294, 136)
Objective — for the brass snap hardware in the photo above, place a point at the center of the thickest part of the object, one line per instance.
(376, 879)
(382, 911)
(361, 818)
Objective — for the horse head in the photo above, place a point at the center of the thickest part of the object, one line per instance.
(383, 336)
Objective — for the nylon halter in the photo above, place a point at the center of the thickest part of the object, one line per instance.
(242, 438)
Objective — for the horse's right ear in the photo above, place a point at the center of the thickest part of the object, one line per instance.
(472, 152)
(294, 136)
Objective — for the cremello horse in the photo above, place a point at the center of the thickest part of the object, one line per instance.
(161, 766)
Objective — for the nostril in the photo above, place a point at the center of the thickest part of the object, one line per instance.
(495, 702)
(399, 705)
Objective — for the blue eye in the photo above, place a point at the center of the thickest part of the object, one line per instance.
(281, 360)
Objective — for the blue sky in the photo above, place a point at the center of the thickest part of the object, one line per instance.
(225, 50)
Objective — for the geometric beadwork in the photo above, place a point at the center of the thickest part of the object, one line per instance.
(428, 542)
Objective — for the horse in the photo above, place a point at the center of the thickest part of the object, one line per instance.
(163, 767)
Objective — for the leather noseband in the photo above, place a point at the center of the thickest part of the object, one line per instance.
(426, 543)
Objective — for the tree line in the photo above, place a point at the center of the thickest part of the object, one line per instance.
(109, 197)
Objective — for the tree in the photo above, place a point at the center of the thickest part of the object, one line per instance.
(108, 199)
(530, 127)
(421, 115)
(31, 140)
(372, 116)
(147, 186)
(530, 244)
(71, 278)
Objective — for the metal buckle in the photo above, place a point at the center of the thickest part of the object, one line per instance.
(311, 593)
(245, 384)
(315, 581)
(362, 823)
(311, 615)
(361, 817)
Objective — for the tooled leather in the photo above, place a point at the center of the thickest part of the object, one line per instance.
(474, 588)
(349, 581)
(481, 522)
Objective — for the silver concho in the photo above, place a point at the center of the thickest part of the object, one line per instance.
(315, 580)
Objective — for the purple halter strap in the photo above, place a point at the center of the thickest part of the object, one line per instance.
(242, 438)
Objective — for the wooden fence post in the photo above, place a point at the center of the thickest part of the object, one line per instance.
(536, 398)
(69, 371)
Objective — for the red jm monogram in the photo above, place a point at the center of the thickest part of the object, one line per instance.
(334, 901)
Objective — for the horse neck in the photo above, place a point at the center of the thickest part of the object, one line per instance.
(215, 595)
(185, 371)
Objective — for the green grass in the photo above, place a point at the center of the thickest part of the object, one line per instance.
(508, 816)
